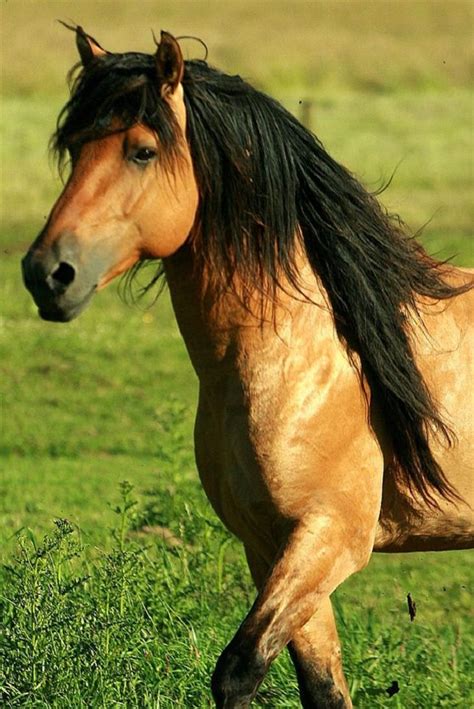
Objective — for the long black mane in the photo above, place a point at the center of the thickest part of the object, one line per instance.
(267, 188)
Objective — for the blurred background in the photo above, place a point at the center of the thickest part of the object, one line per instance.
(383, 84)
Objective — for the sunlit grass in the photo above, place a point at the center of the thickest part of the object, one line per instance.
(138, 617)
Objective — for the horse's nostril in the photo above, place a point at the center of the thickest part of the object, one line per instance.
(64, 273)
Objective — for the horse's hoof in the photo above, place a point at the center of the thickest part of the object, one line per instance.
(237, 678)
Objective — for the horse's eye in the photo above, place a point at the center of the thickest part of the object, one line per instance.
(143, 155)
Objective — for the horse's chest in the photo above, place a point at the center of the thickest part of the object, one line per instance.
(232, 475)
(278, 437)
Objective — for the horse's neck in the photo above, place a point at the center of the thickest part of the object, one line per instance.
(221, 332)
(212, 324)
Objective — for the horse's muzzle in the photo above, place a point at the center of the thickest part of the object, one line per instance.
(60, 287)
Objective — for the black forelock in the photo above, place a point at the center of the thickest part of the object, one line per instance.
(114, 90)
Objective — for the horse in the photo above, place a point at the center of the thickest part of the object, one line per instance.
(332, 352)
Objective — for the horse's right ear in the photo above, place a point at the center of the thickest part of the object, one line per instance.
(88, 47)
(169, 64)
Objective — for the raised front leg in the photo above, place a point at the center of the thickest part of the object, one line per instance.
(315, 650)
(323, 550)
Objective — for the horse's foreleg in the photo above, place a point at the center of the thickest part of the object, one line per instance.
(315, 650)
(324, 549)
(316, 654)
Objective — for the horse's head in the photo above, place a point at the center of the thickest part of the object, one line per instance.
(131, 194)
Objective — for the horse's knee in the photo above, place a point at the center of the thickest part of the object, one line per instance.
(287, 602)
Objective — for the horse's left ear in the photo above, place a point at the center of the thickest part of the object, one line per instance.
(169, 64)
(88, 47)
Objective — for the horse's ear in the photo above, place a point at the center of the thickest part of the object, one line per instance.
(88, 47)
(169, 64)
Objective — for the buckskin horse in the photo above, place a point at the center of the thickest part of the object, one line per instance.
(332, 352)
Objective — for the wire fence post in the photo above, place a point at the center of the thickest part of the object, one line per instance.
(306, 113)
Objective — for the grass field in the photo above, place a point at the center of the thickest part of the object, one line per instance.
(130, 602)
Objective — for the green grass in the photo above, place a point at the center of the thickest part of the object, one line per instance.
(97, 612)
(141, 622)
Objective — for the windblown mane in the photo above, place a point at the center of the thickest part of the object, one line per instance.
(267, 186)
